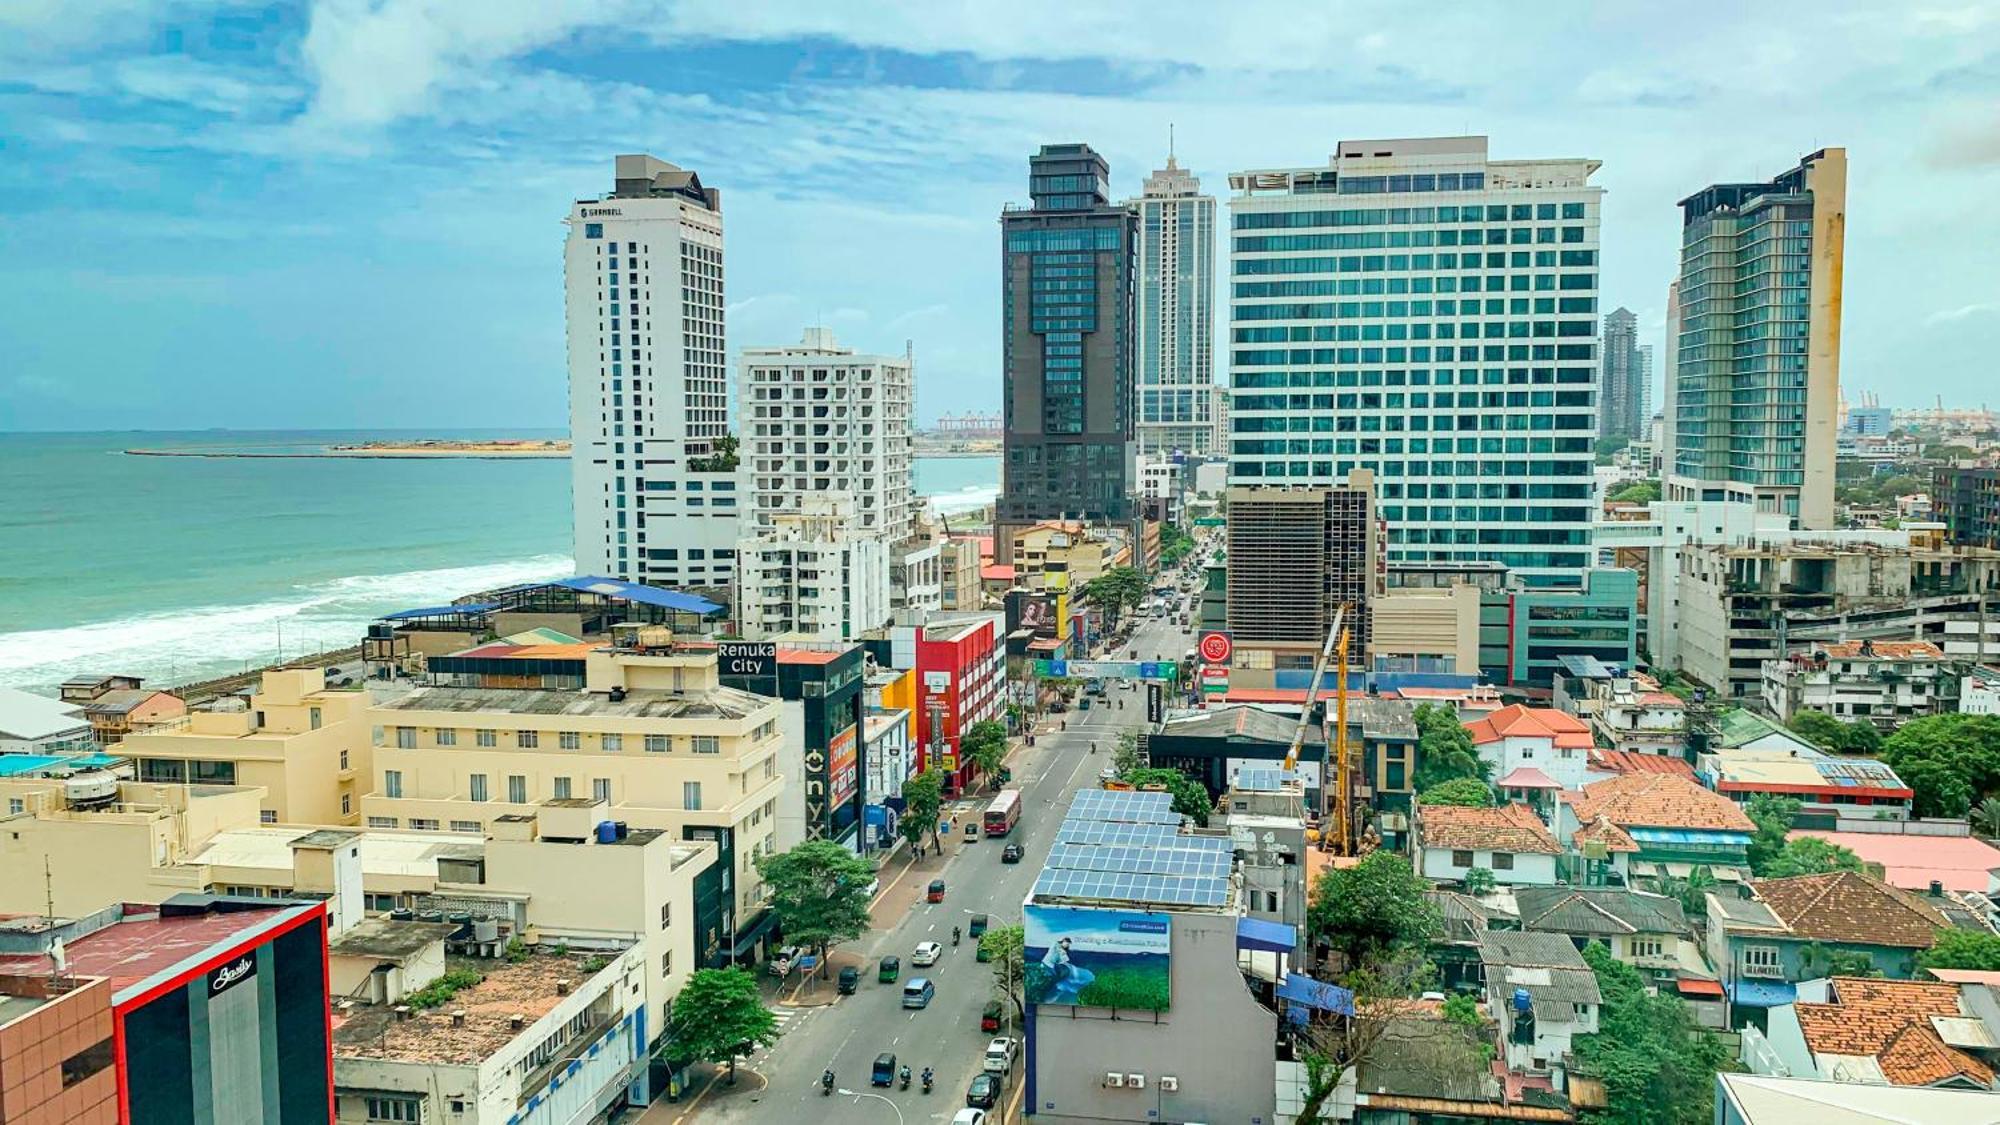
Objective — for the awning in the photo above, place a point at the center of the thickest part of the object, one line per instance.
(440, 611)
(1301, 989)
(748, 936)
(1694, 986)
(634, 592)
(1266, 937)
(1763, 993)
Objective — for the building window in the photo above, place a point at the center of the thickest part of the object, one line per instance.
(562, 788)
(346, 804)
(613, 743)
(467, 826)
(1503, 861)
(707, 744)
(657, 744)
(1647, 947)
(392, 783)
(528, 739)
(447, 737)
(691, 796)
(313, 717)
(16, 806)
(423, 824)
(395, 1109)
(343, 759)
(1762, 961)
(86, 1062)
(483, 738)
(667, 963)
(267, 816)
(517, 789)
(569, 740)
(476, 786)
(406, 738)
(600, 789)
(666, 914)
(379, 904)
(381, 822)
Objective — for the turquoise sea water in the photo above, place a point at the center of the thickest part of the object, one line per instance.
(176, 568)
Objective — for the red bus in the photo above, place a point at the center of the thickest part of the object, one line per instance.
(1004, 813)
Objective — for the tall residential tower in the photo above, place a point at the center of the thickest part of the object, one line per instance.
(1067, 333)
(1622, 393)
(1175, 313)
(1417, 310)
(653, 483)
(1756, 345)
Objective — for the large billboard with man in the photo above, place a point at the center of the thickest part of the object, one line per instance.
(1096, 958)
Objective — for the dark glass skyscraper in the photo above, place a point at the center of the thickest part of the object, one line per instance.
(1067, 267)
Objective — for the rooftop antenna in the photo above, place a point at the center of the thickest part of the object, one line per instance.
(1170, 144)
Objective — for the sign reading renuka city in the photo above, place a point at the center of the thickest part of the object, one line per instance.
(747, 658)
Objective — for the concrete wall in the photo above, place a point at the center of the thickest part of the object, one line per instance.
(1531, 869)
(1215, 1039)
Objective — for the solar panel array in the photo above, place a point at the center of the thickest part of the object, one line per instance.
(1131, 806)
(1126, 846)
(1176, 861)
(1264, 779)
(1082, 830)
(1160, 890)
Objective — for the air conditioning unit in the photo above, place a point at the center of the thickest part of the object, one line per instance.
(1135, 1081)
(1114, 1081)
(1169, 1084)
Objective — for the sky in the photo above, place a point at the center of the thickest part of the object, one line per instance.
(347, 213)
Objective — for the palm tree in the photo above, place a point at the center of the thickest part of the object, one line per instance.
(1987, 816)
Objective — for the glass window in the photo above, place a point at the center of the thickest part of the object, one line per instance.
(406, 738)
(447, 736)
(691, 796)
(392, 783)
(600, 789)
(1461, 858)
(613, 743)
(658, 744)
(483, 738)
(528, 739)
(476, 787)
(562, 788)
(517, 789)
(569, 740)
(707, 744)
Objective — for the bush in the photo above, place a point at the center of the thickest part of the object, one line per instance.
(444, 988)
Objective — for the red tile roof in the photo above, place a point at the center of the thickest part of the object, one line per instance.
(1855, 909)
(1613, 838)
(1961, 863)
(1527, 777)
(1657, 800)
(1518, 721)
(1890, 1022)
(1665, 699)
(1631, 761)
(996, 572)
(1509, 828)
(806, 656)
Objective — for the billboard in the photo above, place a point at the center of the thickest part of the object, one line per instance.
(1096, 958)
(747, 658)
(841, 775)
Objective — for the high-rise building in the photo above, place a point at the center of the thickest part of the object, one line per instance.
(1625, 383)
(1757, 347)
(1367, 333)
(1669, 383)
(1645, 390)
(1067, 333)
(820, 419)
(1175, 313)
(812, 575)
(653, 469)
(1296, 555)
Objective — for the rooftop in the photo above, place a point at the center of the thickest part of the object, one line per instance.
(527, 989)
(1852, 908)
(1738, 727)
(1657, 800)
(1880, 650)
(1130, 847)
(1602, 831)
(1521, 721)
(1236, 721)
(30, 717)
(389, 940)
(1508, 828)
(1546, 964)
(1631, 761)
(1599, 910)
(715, 703)
(383, 853)
(1792, 771)
(1894, 1023)
(1762, 1100)
(141, 946)
(1527, 777)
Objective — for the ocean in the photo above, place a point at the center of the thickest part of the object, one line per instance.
(179, 568)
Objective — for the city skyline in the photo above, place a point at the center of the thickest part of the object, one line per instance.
(260, 201)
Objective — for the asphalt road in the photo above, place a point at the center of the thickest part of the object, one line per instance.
(847, 1034)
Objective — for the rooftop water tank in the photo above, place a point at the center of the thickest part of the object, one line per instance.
(607, 832)
(91, 787)
(1522, 1001)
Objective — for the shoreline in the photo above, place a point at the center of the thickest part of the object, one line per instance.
(398, 453)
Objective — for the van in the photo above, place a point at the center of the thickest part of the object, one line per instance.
(917, 992)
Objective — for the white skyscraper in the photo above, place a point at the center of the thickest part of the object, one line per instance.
(653, 482)
(1175, 313)
(1413, 308)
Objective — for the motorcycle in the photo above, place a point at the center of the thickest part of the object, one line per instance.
(905, 1076)
(927, 1080)
(954, 935)
(826, 1084)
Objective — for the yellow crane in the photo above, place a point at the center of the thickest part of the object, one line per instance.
(1335, 651)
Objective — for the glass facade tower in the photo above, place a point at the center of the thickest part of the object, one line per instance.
(1414, 309)
(1175, 314)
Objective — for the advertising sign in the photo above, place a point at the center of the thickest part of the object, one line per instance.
(841, 775)
(935, 682)
(1215, 646)
(1096, 958)
(747, 658)
(1156, 703)
(227, 976)
(1109, 669)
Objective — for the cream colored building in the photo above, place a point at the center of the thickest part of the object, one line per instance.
(1426, 629)
(128, 842)
(653, 735)
(306, 745)
(1062, 556)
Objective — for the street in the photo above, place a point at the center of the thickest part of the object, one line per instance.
(850, 1031)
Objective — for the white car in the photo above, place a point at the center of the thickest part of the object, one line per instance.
(969, 1117)
(927, 954)
(1000, 1054)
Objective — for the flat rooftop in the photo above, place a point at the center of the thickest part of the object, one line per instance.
(715, 703)
(143, 946)
(527, 989)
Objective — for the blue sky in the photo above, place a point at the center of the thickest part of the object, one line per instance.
(347, 212)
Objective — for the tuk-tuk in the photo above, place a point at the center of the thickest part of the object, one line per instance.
(977, 926)
(1083, 703)
(989, 1016)
(936, 892)
(884, 1071)
(892, 967)
(850, 977)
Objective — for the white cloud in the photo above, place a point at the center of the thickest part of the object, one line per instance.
(1963, 312)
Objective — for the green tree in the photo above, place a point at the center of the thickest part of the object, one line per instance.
(1809, 855)
(984, 744)
(819, 891)
(718, 1016)
(1003, 946)
(1638, 492)
(1190, 797)
(923, 796)
(1816, 960)
(1125, 756)
(1987, 816)
(1829, 733)
(1944, 451)
(1119, 588)
(1372, 909)
(1773, 817)
(1444, 748)
(1608, 446)
(1962, 949)
(1174, 544)
(1939, 787)
(1951, 761)
(1468, 791)
(1691, 892)
(1478, 881)
(1658, 1066)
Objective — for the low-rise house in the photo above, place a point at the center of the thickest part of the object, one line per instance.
(36, 724)
(1737, 729)
(1510, 841)
(1675, 824)
(1647, 931)
(1599, 854)
(1425, 1068)
(1610, 763)
(1537, 738)
(1543, 994)
(1625, 710)
(1914, 862)
(1899, 1032)
(1462, 920)
(1821, 783)
(118, 705)
(1884, 682)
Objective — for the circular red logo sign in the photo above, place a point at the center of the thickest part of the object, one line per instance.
(1215, 647)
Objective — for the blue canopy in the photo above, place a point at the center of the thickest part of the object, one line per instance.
(634, 592)
(1265, 937)
(1301, 989)
(440, 611)
(1763, 993)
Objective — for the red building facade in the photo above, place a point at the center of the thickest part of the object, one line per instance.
(961, 680)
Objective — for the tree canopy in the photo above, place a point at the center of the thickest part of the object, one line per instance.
(1468, 791)
(1190, 797)
(984, 744)
(923, 796)
(1174, 544)
(718, 1015)
(1119, 588)
(1371, 909)
(1830, 734)
(1809, 855)
(1658, 1066)
(1444, 748)
(1950, 761)
(1773, 817)
(1637, 492)
(1004, 946)
(1962, 949)
(819, 891)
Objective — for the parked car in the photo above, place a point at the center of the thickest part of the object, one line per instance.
(990, 1016)
(969, 1117)
(984, 1091)
(783, 960)
(999, 1054)
(1012, 853)
(850, 979)
(927, 954)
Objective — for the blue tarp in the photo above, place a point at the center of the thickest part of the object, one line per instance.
(1686, 836)
(1301, 989)
(440, 611)
(1762, 993)
(1265, 937)
(644, 595)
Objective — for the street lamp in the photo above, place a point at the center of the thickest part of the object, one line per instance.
(859, 1094)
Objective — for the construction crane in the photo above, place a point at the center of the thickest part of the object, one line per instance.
(1335, 650)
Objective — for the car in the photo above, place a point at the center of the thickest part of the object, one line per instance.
(991, 1015)
(984, 1092)
(884, 1073)
(969, 1117)
(850, 979)
(927, 954)
(999, 1054)
(783, 960)
(1012, 853)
